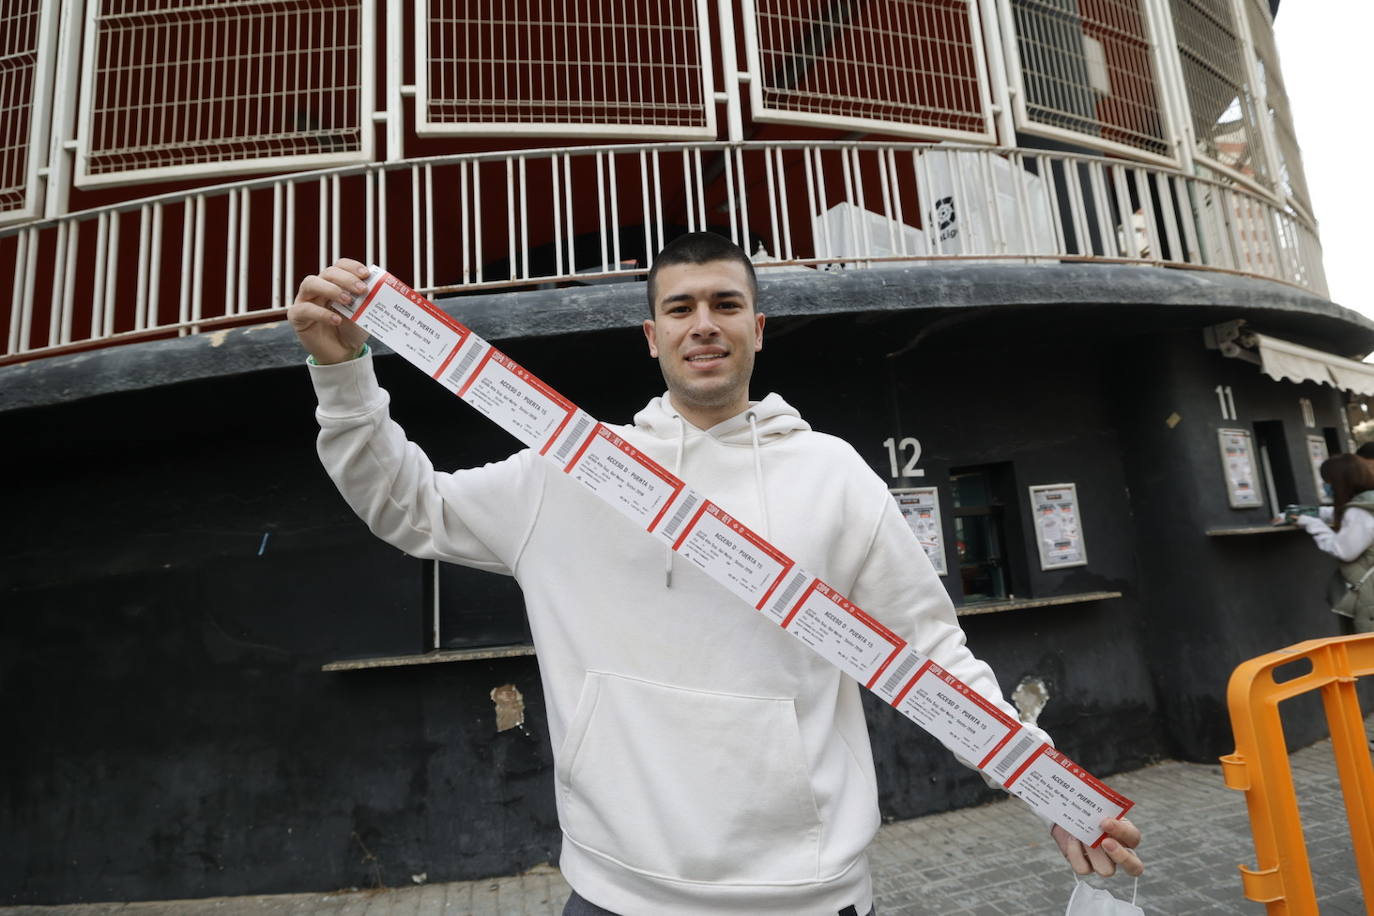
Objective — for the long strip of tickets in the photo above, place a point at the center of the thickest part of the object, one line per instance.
(736, 557)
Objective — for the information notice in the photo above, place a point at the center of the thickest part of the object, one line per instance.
(1238, 465)
(1058, 529)
(746, 564)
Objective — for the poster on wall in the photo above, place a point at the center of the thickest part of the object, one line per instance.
(1316, 451)
(1058, 532)
(1238, 463)
(921, 508)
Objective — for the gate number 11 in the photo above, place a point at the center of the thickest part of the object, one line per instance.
(909, 469)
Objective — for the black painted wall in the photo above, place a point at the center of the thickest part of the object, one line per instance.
(1216, 601)
(177, 569)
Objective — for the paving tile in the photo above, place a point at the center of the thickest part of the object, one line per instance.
(993, 860)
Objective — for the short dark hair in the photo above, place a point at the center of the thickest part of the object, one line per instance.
(1366, 451)
(699, 248)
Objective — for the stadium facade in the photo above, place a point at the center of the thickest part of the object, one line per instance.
(1050, 265)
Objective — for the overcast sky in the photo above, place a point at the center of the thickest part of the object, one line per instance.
(1325, 53)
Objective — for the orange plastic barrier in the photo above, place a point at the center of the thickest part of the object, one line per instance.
(1282, 879)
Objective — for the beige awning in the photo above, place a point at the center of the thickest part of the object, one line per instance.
(1280, 359)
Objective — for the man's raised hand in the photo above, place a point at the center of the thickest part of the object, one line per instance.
(325, 334)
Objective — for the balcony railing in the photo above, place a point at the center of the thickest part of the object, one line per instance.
(233, 254)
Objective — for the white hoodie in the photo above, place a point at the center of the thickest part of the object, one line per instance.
(706, 762)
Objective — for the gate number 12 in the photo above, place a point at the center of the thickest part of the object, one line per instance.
(909, 469)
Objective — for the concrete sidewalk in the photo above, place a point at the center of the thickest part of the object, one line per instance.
(996, 860)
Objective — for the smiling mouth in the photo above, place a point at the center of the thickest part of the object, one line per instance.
(705, 357)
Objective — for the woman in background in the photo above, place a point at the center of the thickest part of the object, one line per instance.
(1348, 533)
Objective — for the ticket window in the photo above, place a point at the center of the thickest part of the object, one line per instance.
(1276, 465)
(1332, 435)
(983, 530)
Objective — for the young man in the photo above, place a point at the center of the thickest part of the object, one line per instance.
(705, 761)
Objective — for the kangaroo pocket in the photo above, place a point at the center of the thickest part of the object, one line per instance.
(689, 784)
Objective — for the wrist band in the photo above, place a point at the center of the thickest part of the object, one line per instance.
(359, 355)
(736, 557)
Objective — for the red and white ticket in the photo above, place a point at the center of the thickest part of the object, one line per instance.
(956, 714)
(728, 551)
(1066, 793)
(838, 630)
(409, 323)
(732, 554)
(516, 400)
(624, 477)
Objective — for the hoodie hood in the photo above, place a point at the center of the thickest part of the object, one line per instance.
(774, 417)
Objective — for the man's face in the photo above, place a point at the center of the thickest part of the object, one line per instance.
(704, 334)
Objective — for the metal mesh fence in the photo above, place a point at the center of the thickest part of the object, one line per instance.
(18, 71)
(1214, 75)
(1292, 181)
(176, 85)
(533, 64)
(908, 62)
(1086, 67)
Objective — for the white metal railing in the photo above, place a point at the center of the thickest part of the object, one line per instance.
(914, 68)
(171, 89)
(26, 28)
(1225, 124)
(180, 263)
(144, 90)
(1090, 73)
(550, 68)
(1269, 83)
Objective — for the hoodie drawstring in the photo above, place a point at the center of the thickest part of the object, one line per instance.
(677, 472)
(758, 472)
(758, 484)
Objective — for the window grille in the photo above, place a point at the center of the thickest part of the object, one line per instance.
(1291, 179)
(1087, 68)
(19, 39)
(544, 66)
(911, 67)
(175, 88)
(1225, 125)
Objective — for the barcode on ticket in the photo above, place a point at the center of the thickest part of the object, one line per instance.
(1012, 756)
(454, 378)
(783, 602)
(573, 439)
(680, 516)
(894, 679)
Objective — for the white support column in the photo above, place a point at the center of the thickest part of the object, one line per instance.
(1011, 60)
(998, 71)
(367, 79)
(395, 135)
(731, 77)
(41, 108)
(1178, 120)
(66, 94)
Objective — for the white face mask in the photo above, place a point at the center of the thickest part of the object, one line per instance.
(1087, 900)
